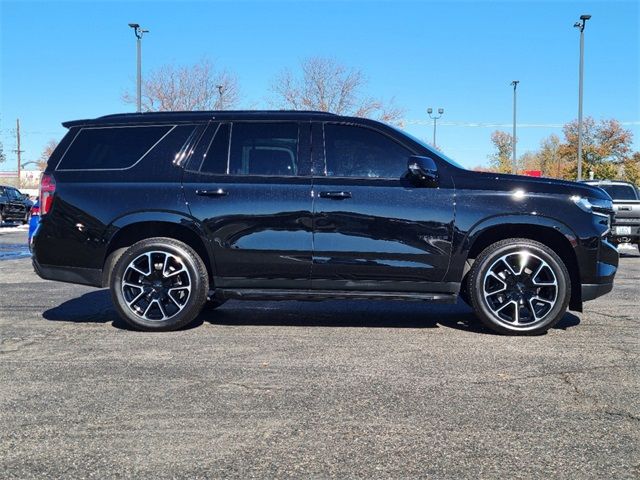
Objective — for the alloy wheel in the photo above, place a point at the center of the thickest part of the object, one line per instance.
(156, 285)
(520, 289)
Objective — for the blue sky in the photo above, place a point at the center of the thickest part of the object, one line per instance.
(68, 60)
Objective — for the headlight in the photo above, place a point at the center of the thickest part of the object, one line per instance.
(602, 209)
(593, 205)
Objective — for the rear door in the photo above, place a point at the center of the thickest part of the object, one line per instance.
(249, 183)
(373, 229)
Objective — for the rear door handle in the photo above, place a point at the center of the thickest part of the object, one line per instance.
(335, 195)
(212, 193)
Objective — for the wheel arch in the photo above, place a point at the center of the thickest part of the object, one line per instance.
(128, 230)
(555, 235)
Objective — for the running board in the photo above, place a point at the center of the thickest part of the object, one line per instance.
(316, 295)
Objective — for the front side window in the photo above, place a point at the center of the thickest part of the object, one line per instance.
(111, 148)
(264, 148)
(353, 151)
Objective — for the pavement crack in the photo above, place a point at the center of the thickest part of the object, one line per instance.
(627, 415)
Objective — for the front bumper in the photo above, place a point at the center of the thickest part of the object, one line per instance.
(600, 281)
(616, 237)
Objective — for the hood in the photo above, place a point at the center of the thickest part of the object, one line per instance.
(540, 185)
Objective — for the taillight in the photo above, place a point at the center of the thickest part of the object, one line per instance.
(47, 189)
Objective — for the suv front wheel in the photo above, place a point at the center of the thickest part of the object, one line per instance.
(159, 284)
(519, 286)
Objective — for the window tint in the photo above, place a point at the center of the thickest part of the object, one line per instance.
(361, 152)
(264, 149)
(13, 194)
(214, 159)
(620, 192)
(109, 148)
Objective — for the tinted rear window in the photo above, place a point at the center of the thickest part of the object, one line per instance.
(620, 192)
(111, 148)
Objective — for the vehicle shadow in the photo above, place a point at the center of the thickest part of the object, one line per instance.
(96, 307)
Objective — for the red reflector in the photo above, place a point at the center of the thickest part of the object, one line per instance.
(47, 189)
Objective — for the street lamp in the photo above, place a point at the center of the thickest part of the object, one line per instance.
(139, 32)
(581, 24)
(435, 118)
(514, 166)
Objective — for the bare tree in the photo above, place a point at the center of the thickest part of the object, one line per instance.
(192, 87)
(326, 85)
(2, 155)
(46, 153)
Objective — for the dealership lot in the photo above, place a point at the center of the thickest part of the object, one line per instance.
(342, 389)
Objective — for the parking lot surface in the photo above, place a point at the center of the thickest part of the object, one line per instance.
(332, 389)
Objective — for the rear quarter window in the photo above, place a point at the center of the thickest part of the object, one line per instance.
(111, 148)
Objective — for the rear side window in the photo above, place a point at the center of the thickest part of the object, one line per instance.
(213, 157)
(111, 148)
(264, 148)
(360, 152)
(620, 192)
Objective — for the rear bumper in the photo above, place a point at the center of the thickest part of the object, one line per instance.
(83, 276)
(591, 291)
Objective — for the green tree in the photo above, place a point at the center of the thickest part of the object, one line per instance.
(501, 158)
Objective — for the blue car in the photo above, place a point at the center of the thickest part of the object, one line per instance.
(34, 220)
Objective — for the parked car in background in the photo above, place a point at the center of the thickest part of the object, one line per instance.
(175, 210)
(14, 206)
(626, 204)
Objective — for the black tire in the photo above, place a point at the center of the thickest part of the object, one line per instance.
(534, 300)
(26, 219)
(213, 304)
(188, 280)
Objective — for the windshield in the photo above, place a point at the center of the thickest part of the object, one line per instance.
(13, 194)
(429, 147)
(620, 192)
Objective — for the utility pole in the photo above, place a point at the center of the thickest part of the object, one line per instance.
(514, 166)
(435, 118)
(581, 26)
(139, 32)
(220, 92)
(18, 150)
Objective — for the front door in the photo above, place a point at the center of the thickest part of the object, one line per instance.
(373, 229)
(249, 184)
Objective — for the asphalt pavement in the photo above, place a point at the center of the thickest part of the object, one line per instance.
(341, 389)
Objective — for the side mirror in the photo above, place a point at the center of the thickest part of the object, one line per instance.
(423, 170)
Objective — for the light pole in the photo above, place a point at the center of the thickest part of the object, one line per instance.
(435, 118)
(581, 24)
(139, 32)
(514, 140)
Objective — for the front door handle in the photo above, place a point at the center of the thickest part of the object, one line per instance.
(335, 195)
(212, 193)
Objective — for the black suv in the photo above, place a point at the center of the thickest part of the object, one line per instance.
(176, 210)
(14, 206)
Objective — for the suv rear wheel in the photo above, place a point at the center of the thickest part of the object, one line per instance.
(159, 284)
(519, 286)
